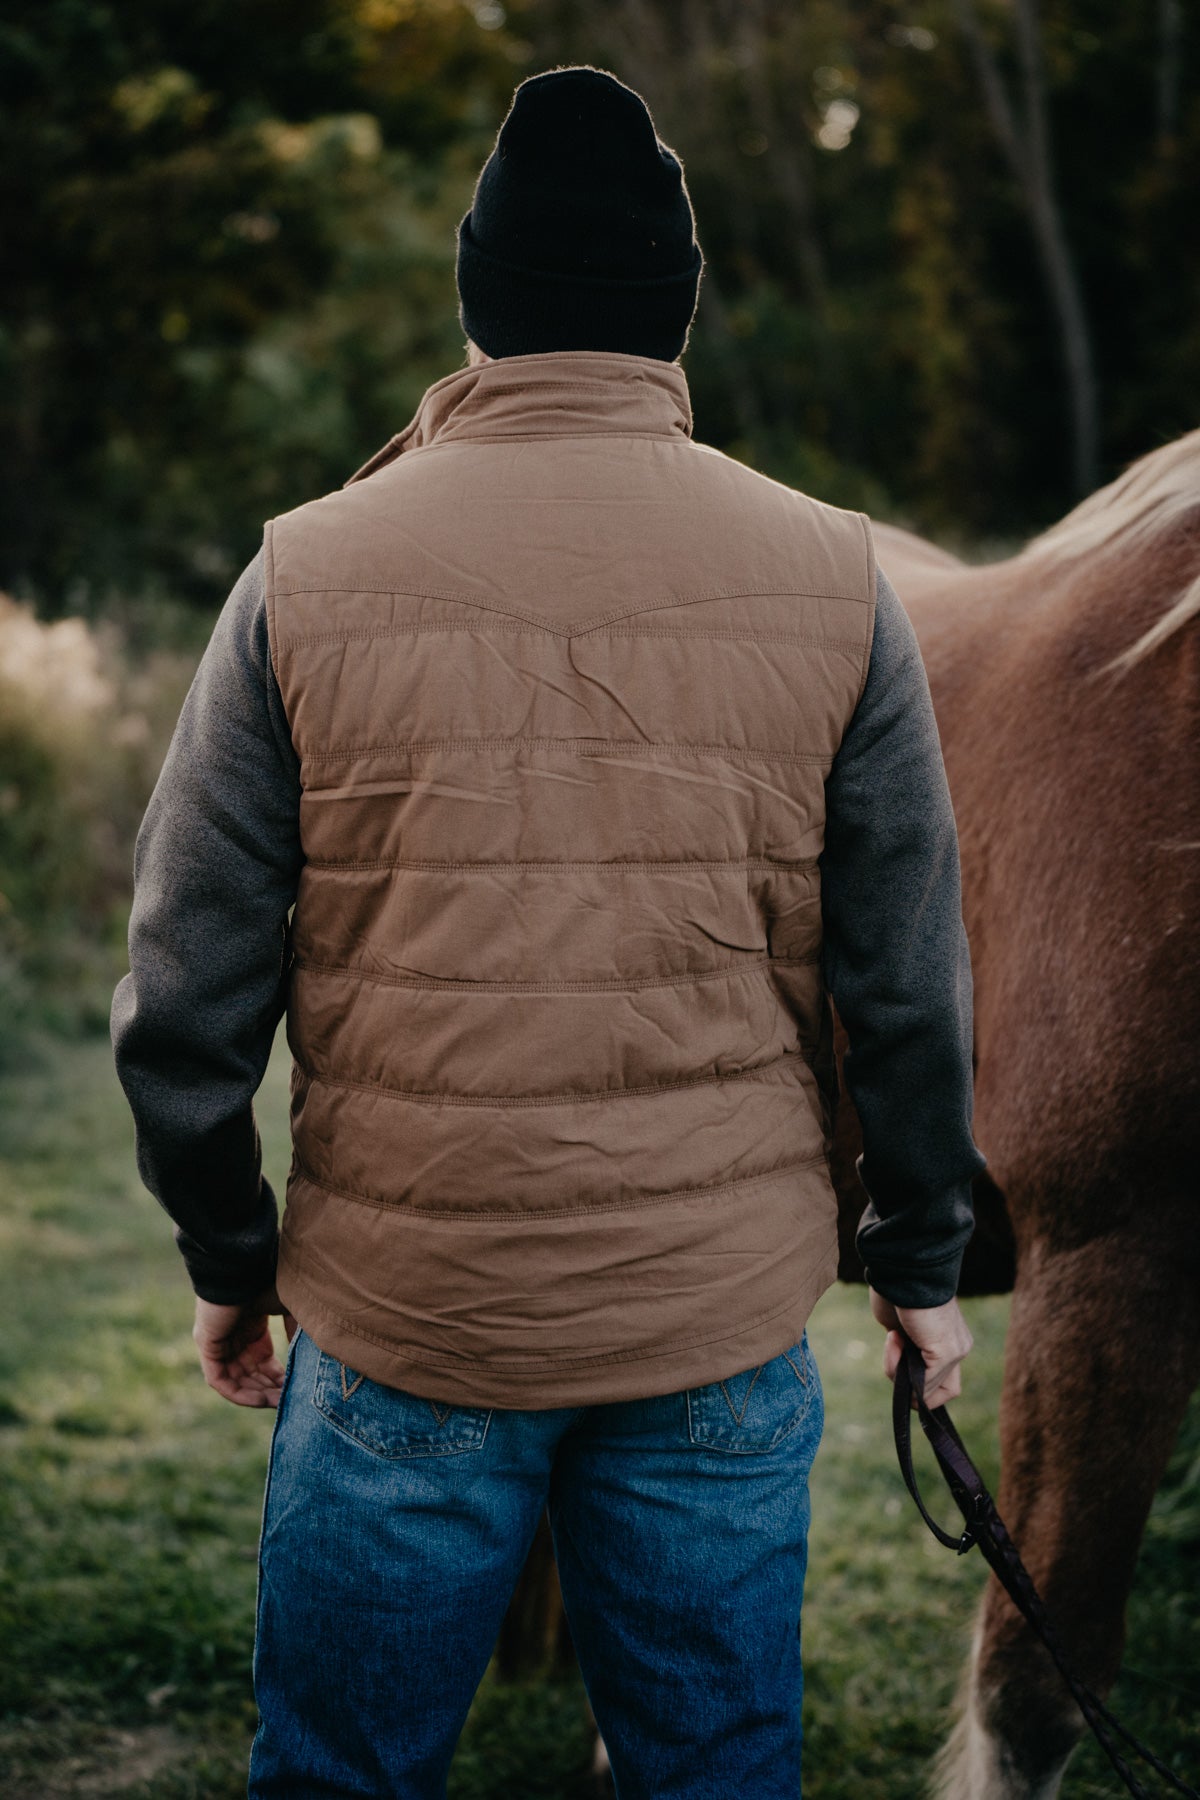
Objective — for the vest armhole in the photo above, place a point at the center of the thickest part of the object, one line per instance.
(269, 595)
(871, 580)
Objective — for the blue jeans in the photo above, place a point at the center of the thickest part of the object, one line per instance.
(394, 1531)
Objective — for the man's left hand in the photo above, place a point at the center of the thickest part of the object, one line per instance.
(236, 1351)
(940, 1333)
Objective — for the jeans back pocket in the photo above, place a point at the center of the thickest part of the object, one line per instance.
(756, 1409)
(391, 1422)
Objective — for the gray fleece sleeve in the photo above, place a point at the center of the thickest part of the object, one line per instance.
(215, 873)
(896, 962)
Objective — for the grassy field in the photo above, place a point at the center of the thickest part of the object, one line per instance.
(130, 1501)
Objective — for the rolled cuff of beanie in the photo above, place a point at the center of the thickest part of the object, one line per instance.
(512, 311)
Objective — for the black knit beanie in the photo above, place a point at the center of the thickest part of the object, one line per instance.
(581, 235)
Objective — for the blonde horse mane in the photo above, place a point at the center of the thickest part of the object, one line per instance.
(1140, 506)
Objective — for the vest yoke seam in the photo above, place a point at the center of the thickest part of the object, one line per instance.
(687, 634)
(583, 629)
(755, 593)
(417, 627)
(518, 1102)
(412, 628)
(594, 747)
(683, 634)
(607, 985)
(526, 1366)
(756, 864)
(451, 1214)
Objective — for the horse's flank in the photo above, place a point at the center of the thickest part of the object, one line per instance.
(1077, 801)
(1066, 684)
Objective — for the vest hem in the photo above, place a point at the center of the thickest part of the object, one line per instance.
(595, 1380)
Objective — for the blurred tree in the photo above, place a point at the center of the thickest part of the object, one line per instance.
(180, 180)
(1170, 33)
(227, 240)
(1025, 140)
(952, 315)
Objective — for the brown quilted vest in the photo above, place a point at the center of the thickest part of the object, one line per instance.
(565, 687)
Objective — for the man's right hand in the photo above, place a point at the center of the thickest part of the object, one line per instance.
(940, 1334)
(236, 1351)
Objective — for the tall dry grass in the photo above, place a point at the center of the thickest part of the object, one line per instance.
(85, 718)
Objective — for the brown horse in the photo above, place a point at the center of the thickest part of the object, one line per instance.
(1066, 683)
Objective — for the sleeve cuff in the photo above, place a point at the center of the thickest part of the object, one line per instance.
(227, 1282)
(913, 1255)
(929, 1284)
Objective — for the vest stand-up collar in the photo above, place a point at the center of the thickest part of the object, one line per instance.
(559, 393)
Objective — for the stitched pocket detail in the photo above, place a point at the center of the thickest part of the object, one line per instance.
(390, 1422)
(753, 1411)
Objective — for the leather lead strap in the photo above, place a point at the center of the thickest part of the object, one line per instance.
(985, 1527)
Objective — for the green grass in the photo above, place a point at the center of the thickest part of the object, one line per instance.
(130, 1500)
(888, 1611)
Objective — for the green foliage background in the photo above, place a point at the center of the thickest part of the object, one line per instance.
(227, 252)
(227, 233)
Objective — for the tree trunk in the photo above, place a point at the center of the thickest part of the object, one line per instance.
(1170, 31)
(784, 154)
(1026, 146)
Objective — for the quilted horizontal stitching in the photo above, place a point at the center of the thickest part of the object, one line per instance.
(529, 1216)
(753, 865)
(609, 984)
(506, 1102)
(587, 747)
